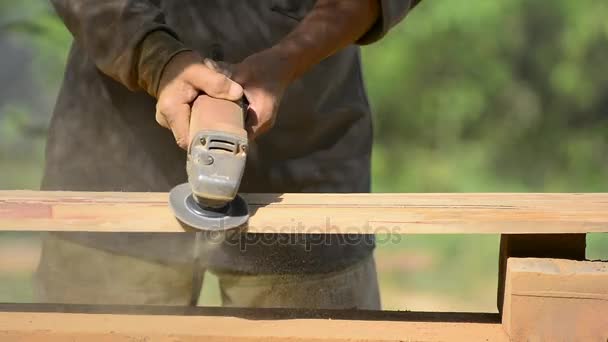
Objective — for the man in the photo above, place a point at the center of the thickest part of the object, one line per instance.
(133, 58)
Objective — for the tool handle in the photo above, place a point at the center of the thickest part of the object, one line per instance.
(209, 113)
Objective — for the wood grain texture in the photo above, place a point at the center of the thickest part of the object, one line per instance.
(556, 300)
(34, 327)
(317, 213)
(552, 246)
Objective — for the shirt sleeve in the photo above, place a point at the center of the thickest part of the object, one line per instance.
(127, 40)
(391, 13)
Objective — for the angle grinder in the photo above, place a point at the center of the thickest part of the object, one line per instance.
(216, 161)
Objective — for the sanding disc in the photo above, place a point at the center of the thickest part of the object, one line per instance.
(188, 211)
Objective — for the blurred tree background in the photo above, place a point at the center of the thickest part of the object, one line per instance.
(482, 96)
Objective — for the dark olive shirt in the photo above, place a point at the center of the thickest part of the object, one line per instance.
(104, 137)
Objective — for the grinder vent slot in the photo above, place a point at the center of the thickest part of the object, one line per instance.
(222, 145)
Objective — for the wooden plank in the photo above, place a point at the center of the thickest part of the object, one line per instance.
(317, 213)
(556, 300)
(554, 246)
(15, 326)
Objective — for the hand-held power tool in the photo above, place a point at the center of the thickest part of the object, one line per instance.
(216, 161)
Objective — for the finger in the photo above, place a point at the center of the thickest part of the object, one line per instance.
(254, 119)
(251, 123)
(160, 118)
(260, 116)
(256, 125)
(262, 129)
(176, 93)
(178, 121)
(214, 83)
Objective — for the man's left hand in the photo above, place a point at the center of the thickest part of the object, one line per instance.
(264, 77)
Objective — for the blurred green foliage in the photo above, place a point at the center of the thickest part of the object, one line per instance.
(32, 31)
(500, 95)
(35, 24)
(488, 95)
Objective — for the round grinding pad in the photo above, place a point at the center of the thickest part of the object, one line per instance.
(187, 211)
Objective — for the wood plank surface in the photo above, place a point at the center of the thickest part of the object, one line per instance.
(15, 326)
(556, 300)
(317, 213)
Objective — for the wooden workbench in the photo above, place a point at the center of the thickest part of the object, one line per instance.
(531, 288)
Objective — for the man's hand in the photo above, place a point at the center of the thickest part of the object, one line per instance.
(264, 77)
(330, 26)
(183, 79)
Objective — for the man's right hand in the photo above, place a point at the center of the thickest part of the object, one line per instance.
(183, 79)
